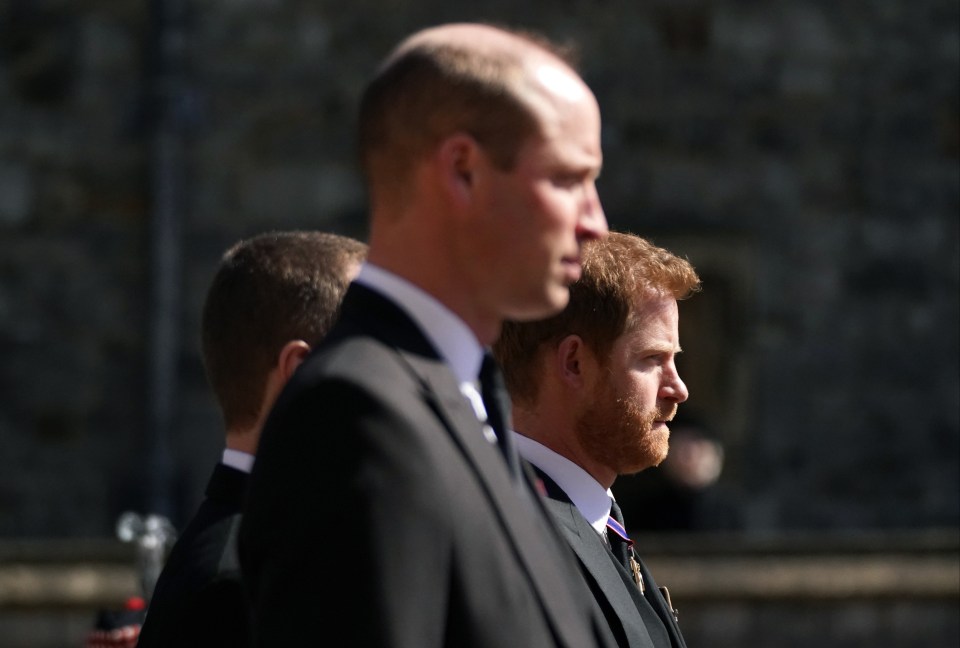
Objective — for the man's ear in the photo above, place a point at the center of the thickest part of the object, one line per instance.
(457, 156)
(291, 355)
(570, 361)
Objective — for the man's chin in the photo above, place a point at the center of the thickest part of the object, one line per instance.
(646, 457)
(551, 304)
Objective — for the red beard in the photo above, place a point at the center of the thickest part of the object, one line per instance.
(618, 434)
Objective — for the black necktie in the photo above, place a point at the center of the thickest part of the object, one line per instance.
(621, 545)
(497, 403)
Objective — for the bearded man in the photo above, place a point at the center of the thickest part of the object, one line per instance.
(593, 391)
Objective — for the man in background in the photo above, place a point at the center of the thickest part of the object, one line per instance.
(593, 390)
(273, 297)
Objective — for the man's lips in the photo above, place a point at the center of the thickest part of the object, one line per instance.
(572, 268)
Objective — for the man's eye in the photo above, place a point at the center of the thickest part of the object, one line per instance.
(567, 180)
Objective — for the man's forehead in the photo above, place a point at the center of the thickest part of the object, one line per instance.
(651, 309)
(559, 81)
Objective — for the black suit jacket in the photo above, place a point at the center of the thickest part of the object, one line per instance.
(378, 514)
(199, 599)
(637, 620)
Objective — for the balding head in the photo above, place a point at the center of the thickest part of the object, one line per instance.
(488, 82)
(482, 40)
(481, 147)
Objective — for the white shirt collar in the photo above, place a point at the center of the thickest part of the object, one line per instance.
(586, 493)
(242, 461)
(449, 334)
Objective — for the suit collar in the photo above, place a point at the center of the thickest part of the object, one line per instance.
(592, 499)
(367, 313)
(637, 615)
(449, 334)
(227, 485)
(609, 576)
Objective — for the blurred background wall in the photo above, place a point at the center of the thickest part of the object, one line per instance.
(805, 156)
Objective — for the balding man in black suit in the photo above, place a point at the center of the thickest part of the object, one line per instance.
(382, 512)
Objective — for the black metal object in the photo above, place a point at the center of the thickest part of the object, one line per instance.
(166, 104)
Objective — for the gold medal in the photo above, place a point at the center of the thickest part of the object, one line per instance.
(637, 576)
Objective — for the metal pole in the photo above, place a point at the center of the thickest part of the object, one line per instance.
(165, 83)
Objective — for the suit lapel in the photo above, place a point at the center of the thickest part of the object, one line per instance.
(659, 604)
(528, 527)
(524, 520)
(227, 486)
(601, 566)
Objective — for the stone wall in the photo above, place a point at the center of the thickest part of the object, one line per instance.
(880, 589)
(804, 155)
